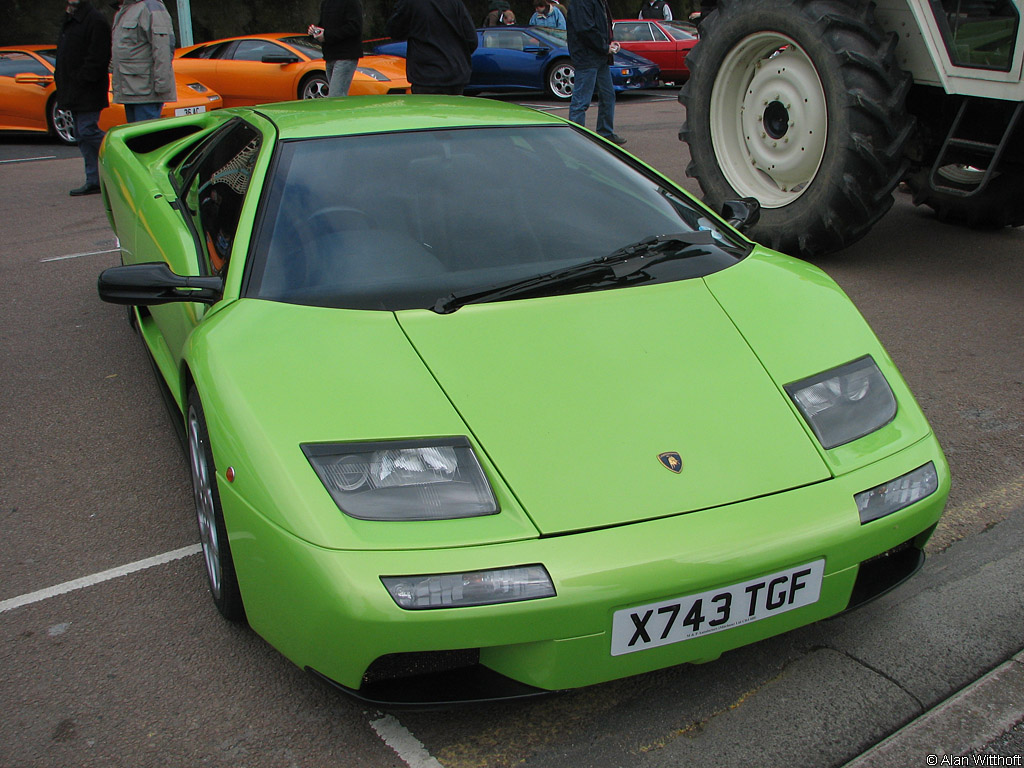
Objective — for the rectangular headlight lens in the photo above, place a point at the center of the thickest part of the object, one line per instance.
(893, 496)
(455, 590)
(435, 479)
(845, 403)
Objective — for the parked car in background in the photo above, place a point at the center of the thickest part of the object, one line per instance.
(28, 95)
(536, 59)
(666, 43)
(258, 69)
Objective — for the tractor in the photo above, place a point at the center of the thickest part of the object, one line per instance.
(820, 109)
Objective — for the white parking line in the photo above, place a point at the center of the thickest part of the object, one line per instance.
(28, 159)
(97, 578)
(79, 255)
(405, 745)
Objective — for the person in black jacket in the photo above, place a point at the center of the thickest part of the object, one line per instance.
(655, 9)
(441, 43)
(340, 31)
(589, 32)
(83, 83)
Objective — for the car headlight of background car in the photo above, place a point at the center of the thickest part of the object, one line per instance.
(434, 479)
(374, 74)
(198, 87)
(845, 403)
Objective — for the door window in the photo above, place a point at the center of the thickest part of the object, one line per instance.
(978, 35)
(217, 191)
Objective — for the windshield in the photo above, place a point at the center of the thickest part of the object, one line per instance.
(680, 30)
(550, 34)
(305, 44)
(397, 220)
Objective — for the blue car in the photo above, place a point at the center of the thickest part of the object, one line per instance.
(537, 58)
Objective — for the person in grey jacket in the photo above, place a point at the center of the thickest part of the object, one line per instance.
(142, 47)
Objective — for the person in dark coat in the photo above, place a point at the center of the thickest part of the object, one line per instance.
(83, 82)
(340, 32)
(655, 9)
(441, 43)
(589, 33)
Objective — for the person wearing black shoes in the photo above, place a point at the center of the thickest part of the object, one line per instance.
(83, 60)
(591, 49)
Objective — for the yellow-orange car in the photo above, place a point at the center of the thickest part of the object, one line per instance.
(28, 95)
(281, 66)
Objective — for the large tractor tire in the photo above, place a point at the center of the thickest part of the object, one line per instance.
(1000, 204)
(800, 104)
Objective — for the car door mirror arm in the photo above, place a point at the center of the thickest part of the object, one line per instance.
(154, 283)
(742, 214)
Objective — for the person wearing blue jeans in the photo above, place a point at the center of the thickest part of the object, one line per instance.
(589, 33)
(148, 111)
(340, 33)
(83, 56)
(89, 135)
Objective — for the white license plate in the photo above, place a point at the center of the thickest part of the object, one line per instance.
(189, 111)
(683, 618)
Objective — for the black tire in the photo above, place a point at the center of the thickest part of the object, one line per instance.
(1000, 204)
(61, 122)
(767, 79)
(213, 534)
(559, 79)
(314, 86)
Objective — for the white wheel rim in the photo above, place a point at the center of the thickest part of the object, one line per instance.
(202, 489)
(64, 124)
(315, 89)
(769, 119)
(562, 78)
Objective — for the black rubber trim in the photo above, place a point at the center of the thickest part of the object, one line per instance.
(439, 690)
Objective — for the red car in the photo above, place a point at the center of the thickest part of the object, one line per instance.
(666, 43)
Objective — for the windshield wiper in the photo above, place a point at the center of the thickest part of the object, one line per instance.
(619, 265)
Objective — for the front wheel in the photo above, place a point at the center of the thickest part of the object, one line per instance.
(314, 87)
(62, 122)
(560, 78)
(800, 104)
(213, 535)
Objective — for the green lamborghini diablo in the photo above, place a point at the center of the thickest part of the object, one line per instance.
(478, 405)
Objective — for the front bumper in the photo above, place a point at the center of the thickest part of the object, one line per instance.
(647, 78)
(327, 610)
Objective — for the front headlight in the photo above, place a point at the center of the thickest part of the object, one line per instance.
(455, 590)
(845, 403)
(435, 479)
(893, 496)
(373, 73)
(198, 87)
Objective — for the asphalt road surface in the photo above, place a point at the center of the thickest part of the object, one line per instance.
(134, 667)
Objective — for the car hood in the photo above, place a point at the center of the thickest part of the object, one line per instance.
(624, 58)
(574, 399)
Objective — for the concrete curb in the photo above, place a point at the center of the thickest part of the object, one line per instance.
(963, 723)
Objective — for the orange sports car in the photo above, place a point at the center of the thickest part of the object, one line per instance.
(257, 69)
(28, 99)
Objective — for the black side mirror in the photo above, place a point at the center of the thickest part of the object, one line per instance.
(742, 214)
(144, 285)
(279, 58)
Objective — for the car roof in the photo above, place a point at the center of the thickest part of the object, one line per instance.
(34, 48)
(276, 36)
(385, 114)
